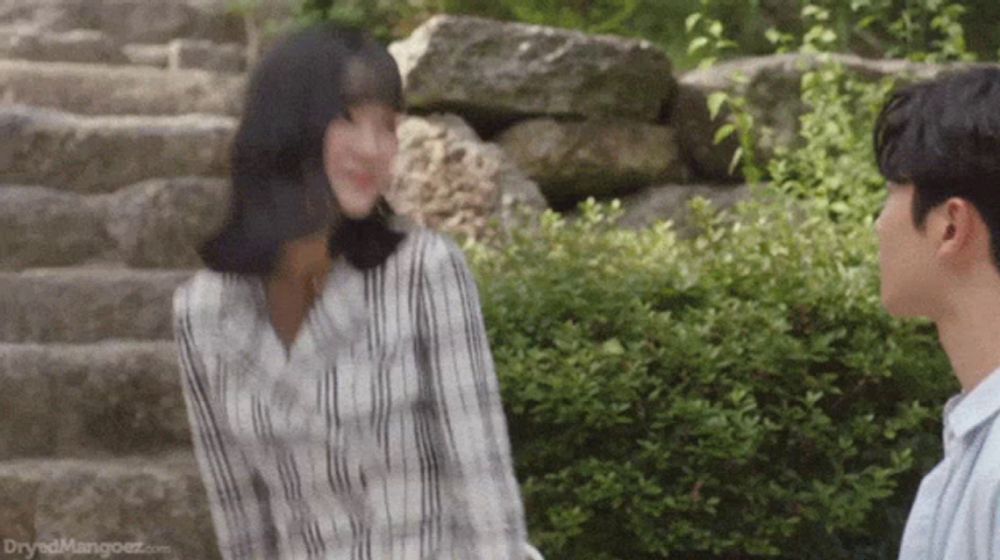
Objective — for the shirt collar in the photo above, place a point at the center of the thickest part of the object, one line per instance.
(244, 318)
(967, 411)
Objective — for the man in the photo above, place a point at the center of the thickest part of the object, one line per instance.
(938, 145)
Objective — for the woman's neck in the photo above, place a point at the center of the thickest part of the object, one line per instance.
(304, 262)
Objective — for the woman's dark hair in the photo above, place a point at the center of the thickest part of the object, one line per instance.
(943, 136)
(280, 190)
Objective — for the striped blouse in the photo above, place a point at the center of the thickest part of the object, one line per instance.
(378, 435)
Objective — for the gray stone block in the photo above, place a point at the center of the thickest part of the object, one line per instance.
(93, 89)
(487, 70)
(147, 55)
(160, 223)
(599, 157)
(79, 45)
(129, 21)
(87, 304)
(87, 400)
(101, 154)
(205, 55)
(47, 227)
(157, 500)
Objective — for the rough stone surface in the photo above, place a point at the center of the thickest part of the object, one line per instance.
(493, 71)
(670, 202)
(449, 179)
(159, 500)
(84, 400)
(46, 227)
(205, 55)
(100, 154)
(696, 134)
(118, 90)
(156, 223)
(147, 55)
(574, 160)
(129, 21)
(84, 304)
(159, 223)
(80, 45)
(772, 88)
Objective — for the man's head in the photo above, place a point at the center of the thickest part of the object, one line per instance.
(938, 145)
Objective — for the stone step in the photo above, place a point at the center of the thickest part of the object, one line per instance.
(87, 304)
(94, 47)
(147, 55)
(97, 89)
(47, 227)
(158, 500)
(153, 224)
(129, 21)
(79, 45)
(114, 397)
(100, 154)
(206, 55)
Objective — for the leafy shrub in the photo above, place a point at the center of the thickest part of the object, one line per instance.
(926, 29)
(740, 394)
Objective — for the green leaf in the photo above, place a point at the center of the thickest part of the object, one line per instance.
(724, 131)
(737, 157)
(697, 44)
(715, 29)
(691, 21)
(716, 100)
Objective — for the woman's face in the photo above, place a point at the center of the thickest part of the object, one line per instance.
(358, 155)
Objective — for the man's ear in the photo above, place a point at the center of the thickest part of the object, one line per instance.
(960, 229)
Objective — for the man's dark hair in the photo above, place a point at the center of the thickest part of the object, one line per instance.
(280, 190)
(943, 137)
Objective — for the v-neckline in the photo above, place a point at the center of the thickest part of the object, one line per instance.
(304, 335)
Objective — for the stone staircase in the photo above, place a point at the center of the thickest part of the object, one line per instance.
(115, 119)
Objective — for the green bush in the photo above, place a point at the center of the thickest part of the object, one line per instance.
(740, 394)
(897, 28)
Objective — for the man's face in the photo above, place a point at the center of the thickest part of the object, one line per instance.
(910, 273)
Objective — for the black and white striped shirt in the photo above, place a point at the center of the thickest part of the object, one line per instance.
(380, 435)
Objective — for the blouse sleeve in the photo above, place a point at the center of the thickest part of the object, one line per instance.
(225, 473)
(466, 390)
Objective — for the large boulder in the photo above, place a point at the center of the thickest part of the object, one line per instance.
(448, 178)
(772, 88)
(600, 157)
(493, 72)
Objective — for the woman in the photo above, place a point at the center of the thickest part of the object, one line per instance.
(337, 377)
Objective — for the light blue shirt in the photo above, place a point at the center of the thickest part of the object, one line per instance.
(956, 515)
